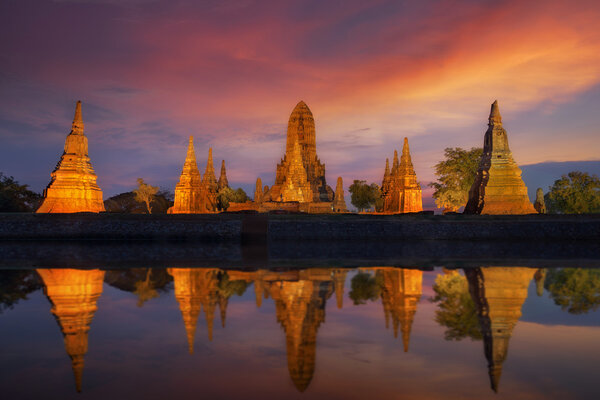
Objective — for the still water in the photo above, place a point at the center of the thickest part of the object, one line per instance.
(320, 333)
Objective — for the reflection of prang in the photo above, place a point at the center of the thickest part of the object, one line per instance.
(73, 294)
(400, 295)
(195, 289)
(499, 294)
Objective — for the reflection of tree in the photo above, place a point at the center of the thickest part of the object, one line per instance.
(575, 290)
(228, 288)
(145, 283)
(456, 310)
(144, 290)
(16, 285)
(365, 287)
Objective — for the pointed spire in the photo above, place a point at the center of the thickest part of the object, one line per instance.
(395, 163)
(405, 149)
(495, 372)
(406, 328)
(406, 166)
(77, 120)
(223, 301)
(223, 182)
(386, 174)
(77, 365)
(258, 291)
(210, 316)
(190, 157)
(258, 191)
(209, 174)
(495, 117)
(190, 330)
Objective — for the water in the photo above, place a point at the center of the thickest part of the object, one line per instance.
(321, 333)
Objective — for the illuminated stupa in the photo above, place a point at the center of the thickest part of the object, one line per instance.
(73, 294)
(401, 192)
(339, 203)
(223, 182)
(189, 187)
(210, 187)
(300, 175)
(498, 187)
(498, 294)
(73, 186)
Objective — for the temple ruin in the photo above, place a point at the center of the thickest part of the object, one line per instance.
(401, 193)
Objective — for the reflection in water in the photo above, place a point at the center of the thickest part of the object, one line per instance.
(73, 294)
(499, 294)
(485, 303)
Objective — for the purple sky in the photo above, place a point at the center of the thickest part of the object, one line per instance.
(150, 73)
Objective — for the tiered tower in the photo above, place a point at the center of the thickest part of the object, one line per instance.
(210, 187)
(400, 190)
(223, 182)
(73, 294)
(301, 133)
(189, 188)
(339, 203)
(498, 294)
(295, 186)
(73, 187)
(498, 187)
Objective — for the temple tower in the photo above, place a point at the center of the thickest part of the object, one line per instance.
(301, 130)
(295, 186)
(258, 191)
(498, 294)
(73, 294)
(339, 203)
(210, 187)
(498, 187)
(189, 187)
(400, 189)
(73, 186)
(223, 182)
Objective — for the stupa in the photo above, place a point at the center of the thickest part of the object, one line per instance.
(189, 187)
(73, 186)
(498, 187)
(401, 192)
(258, 191)
(498, 294)
(540, 203)
(210, 187)
(73, 294)
(301, 150)
(339, 203)
(223, 182)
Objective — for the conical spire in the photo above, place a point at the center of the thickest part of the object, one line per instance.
(223, 183)
(190, 319)
(339, 203)
(386, 174)
(189, 165)
(495, 117)
(406, 166)
(395, 164)
(339, 279)
(77, 127)
(209, 174)
(258, 191)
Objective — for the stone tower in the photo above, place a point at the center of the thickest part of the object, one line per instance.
(73, 294)
(210, 187)
(295, 186)
(400, 190)
(339, 204)
(401, 292)
(540, 203)
(195, 288)
(498, 294)
(498, 187)
(301, 129)
(258, 191)
(223, 182)
(188, 190)
(72, 186)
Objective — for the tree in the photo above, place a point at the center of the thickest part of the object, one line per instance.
(15, 197)
(227, 195)
(455, 177)
(576, 290)
(364, 287)
(363, 195)
(15, 285)
(144, 290)
(228, 288)
(127, 203)
(145, 193)
(574, 193)
(456, 309)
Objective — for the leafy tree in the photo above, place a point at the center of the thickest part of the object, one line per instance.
(574, 193)
(364, 196)
(15, 197)
(144, 290)
(455, 177)
(456, 310)
(576, 290)
(145, 193)
(228, 288)
(227, 195)
(126, 203)
(15, 285)
(364, 287)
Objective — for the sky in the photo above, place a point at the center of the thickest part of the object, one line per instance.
(150, 73)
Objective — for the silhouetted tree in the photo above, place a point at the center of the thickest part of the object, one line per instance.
(364, 196)
(364, 287)
(126, 203)
(228, 288)
(574, 193)
(15, 197)
(455, 177)
(576, 290)
(144, 290)
(227, 195)
(145, 193)
(456, 309)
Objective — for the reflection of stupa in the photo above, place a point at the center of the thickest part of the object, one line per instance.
(499, 294)
(400, 295)
(339, 280)
(73, 294)
(300, 309)
(195, 289)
